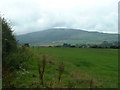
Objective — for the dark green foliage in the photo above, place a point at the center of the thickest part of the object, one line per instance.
(66, 45)
(9, 42)
(26, 45)
(12, 55)
(16, 59)
(9, 45)
(105, 44)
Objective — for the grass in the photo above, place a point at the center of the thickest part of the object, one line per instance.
(83, 68)
(100, 64)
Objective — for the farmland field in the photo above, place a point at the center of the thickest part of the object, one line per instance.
(83, 68)
(99, 64)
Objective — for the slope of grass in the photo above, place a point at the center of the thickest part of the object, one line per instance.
(83, 68)
(100, 64)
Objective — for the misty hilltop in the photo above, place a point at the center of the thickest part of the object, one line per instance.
(63, 34)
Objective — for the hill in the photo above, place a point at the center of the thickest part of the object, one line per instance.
(59, 35)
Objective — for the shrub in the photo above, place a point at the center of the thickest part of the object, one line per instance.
(9, 42)
(15, 59)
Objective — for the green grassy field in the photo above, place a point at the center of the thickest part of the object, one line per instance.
(82, 67)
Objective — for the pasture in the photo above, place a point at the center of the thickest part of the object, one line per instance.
(83, 68)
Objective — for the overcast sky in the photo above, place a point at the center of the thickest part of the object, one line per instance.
(35, 15)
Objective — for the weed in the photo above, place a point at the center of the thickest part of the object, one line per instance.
(41, 70)
(60, 71)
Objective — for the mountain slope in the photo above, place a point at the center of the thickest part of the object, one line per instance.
(59, 34)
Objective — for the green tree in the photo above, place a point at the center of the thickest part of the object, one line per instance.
(105, 44)
(9, 42)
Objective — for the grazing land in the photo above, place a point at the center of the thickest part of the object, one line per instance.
(83, 68)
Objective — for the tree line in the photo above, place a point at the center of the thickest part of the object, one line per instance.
(104, 44)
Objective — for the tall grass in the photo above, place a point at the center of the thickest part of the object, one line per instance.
(41, 70)
(60, 71)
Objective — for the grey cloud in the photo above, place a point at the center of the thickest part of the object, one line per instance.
(29, 15)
